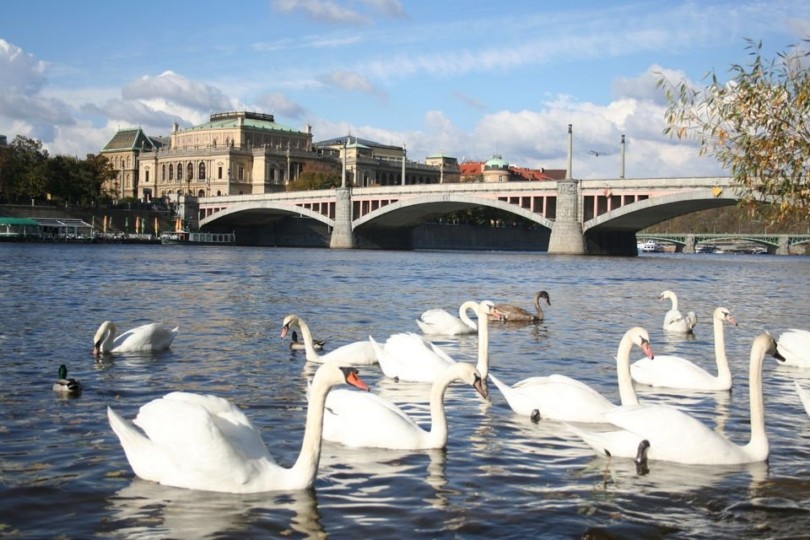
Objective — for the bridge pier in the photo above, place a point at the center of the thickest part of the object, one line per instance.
(784, 245)
(689, 245)
(342, 236)
(566, 233)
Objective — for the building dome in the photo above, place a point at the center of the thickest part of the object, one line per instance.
(496, 163)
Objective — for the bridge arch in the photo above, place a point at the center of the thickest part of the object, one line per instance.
(642, 214)
(255, 210)
(415, 210)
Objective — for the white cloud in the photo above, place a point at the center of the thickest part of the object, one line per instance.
(348, 80)
(280, 105)
(323, 10)
(174, 89)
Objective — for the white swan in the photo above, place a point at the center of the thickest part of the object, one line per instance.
(558, 397)
(676, 372)
(384, 424)
(804, 395)
(65, 386)
(510, 313)
(678, 437)
(794, 346)
(146, 338)
(410, 357)
(205, 442)
(440, 322)
(357, 353)
(674, 321)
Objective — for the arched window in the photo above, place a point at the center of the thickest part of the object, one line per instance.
(202, 171)
(171, 172)
(179, 172)
(190, 169)
(163, 172)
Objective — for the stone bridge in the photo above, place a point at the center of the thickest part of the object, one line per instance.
(584, 216)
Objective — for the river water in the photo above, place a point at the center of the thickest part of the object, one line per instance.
(63, 472)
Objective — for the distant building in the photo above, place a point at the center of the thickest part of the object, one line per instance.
(497, 169)
(123, 151)
(370, 163)
(243, 152)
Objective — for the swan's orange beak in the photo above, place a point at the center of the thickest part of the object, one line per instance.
(354, 379)
(284, 330)
(497, 315)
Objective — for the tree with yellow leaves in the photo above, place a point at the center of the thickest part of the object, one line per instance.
(757, 126)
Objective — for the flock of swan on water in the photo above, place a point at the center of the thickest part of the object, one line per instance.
(205, 442)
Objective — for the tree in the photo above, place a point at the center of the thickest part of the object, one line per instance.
(755, 125)
(25, 170)
(316, 176)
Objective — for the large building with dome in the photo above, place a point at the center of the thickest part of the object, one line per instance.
(242, 152)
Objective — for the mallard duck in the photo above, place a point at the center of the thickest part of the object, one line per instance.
(66, 386)
(296, 345)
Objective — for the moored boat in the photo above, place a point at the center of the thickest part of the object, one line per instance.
(197, 238)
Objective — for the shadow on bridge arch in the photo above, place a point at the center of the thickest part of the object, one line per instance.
(614, 232)
(272, 223)
(260, 213)
(391, 226)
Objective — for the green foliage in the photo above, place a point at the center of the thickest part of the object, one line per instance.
(755, 125)
(315, 177)
(27, 172)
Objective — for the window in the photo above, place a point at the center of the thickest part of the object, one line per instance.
(219, 173)
(201, 175)
(179, 172)
(163, 172)
(190, 174)
(171, 172)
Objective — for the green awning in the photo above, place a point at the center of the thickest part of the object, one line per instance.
(18, 221)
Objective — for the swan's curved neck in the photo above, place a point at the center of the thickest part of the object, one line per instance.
(483, 344)
(462, 313)
(674, 301)
(109, 338)
(438, 418)
(627, 393)
(537, 307)
(723, 371)
(757, 447)
(306, 466)
(309, 347)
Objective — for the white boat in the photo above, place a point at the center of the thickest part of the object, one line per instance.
(649, 246)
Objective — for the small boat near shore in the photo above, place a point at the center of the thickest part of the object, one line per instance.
(197, 238)
(649, 246)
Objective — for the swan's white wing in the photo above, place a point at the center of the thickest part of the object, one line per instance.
(794, 346)
(194, 441)
(148, 337)
(384, 425)
(675, 435)
(558, 397)
(358, 353)
(668, 371)
(439, 321)
(411, 357)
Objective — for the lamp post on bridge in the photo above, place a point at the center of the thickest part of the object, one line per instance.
(621, 172)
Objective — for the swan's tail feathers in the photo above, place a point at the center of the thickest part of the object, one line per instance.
(144, 457)
(381, 359)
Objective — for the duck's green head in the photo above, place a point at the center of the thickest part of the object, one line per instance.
(63, 371)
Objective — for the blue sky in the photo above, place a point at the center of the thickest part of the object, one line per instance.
(464, 78)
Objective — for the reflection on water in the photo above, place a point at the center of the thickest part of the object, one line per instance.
(147, 510)
(63, 471)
